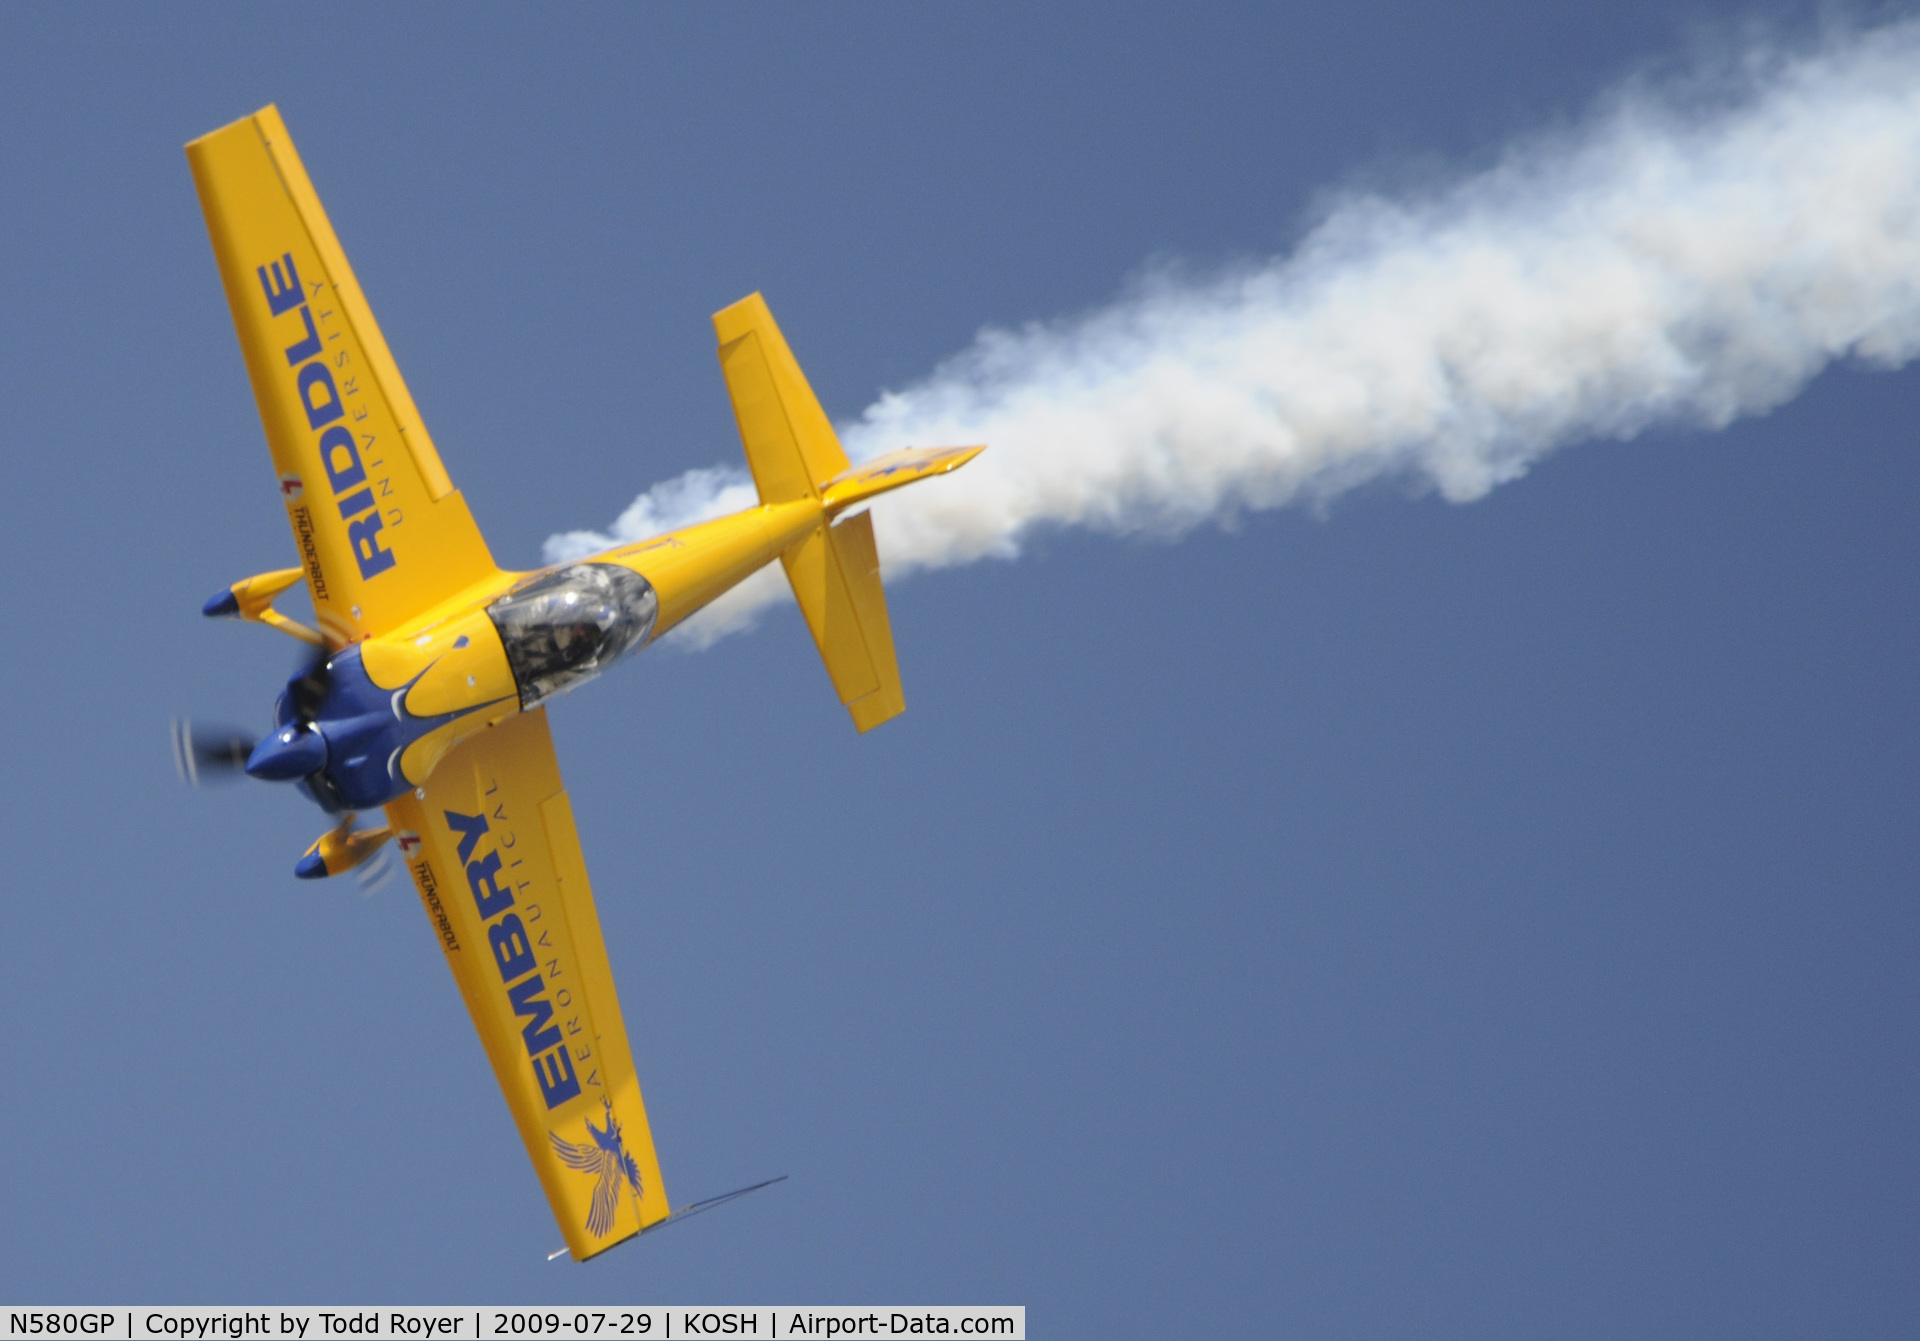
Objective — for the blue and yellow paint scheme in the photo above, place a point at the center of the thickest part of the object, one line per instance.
(430, 699)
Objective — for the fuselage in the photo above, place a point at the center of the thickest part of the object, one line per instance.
(389, 708)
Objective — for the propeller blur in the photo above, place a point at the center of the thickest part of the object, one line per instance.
(206, 754)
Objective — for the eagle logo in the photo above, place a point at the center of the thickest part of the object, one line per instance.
(608, 1158)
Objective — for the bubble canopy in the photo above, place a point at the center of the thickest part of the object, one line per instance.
(564, 627)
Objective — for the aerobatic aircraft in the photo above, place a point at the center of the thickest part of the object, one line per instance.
(425, 695)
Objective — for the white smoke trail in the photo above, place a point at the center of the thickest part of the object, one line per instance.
(1690, 255)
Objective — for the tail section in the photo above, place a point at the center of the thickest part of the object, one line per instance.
(795, 455)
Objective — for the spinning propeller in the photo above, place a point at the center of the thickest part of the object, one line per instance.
(296, 748)
(204, 754)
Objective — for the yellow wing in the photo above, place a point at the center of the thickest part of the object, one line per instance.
(382, 533)
(495, 857)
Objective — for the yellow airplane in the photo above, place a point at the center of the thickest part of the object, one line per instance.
(433, 666)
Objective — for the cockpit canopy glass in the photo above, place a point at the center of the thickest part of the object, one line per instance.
(567, 626)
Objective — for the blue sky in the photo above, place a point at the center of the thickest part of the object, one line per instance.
(1403, 918)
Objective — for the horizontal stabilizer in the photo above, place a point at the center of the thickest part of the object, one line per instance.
(890, 472)
(791, 445)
